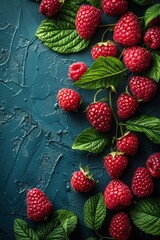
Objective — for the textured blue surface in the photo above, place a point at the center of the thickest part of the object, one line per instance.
(36, 136)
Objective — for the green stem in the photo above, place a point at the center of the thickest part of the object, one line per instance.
(95, 96)
(106, 25)
(121, 54)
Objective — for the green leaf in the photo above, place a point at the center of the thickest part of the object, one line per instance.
(104, 73)
(151, 13)
(23, 232)
(148, 125)
(94, 212)
(95, 3)
(143, 2)
(154, 71)
(59, 34)
(91, 140)
(68, 220)
(146, 215)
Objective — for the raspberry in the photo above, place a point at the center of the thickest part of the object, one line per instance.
(38, 205)
(128, 144)
(137, 59)
(104, 49)
(155, 21)
(76, 70)
(142, 183)
(152, 37)
(87, 19)
(127, 31)
(69, 99)
(153, 164)
(100, 116)
(81, 181)
(120, 226)
(126, 105)
(115, 164)
(49, 7)
(112, 7)
(142, 88)
(117, 195)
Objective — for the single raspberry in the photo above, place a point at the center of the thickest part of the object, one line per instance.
(142, 183)
(104, 49)
(126, 106)
(155, 21)
(69, 99)
(137, 59)
(100, 116)
(120, 226)
(142, 88)
(82, 181)
(87, 19)
(117, 195)
(115, 164)
(153, 164)
(128, 144)
(38, 205)
(49, 7)
(112, 7)
(76, 70)
(152, 37)
(127, 31)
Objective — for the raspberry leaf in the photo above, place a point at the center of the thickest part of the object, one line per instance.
(22, 231)
(95, 3)
(146, 215)
(104, 73)
(148, 125)
(151, 13)
(91, 140)
(154, 71)
(59, 34)
(94, 212)
(142, 2)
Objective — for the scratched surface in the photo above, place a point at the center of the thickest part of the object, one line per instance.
(35, 134)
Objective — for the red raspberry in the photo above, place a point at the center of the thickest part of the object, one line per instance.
(128, 144)
(137, 59)
(100, 116)
(142, 183)
(155, 21)
(104, 49)
(117, 195)
(120, 226)
(127, 31)
(38, 205)
(142, 88)
(81, 181)
(115, 164)
(153, 164)
(87, 19)
(152, 37)
(112, 7)
(76, 70)
(69, 99)
(126, 105)
(49, 7)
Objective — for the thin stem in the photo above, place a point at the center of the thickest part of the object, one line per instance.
(102, 39)
(95, 96)
(121, 54)
(106, 25)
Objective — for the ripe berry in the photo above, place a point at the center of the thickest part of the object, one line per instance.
(142, 183)
(120, 226)
(127, 31)
(126, 106)
(69, 99)
(128, 144)
(152, 37)
(153, 164)
(87, 19)
(81, 181)
(117, 195)
(142, 88)
(115, 164)
(100, 116)
(137, 59)
(38, 205)
(112, 7)
(76, 70)
(49, 7)
(104, 49)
